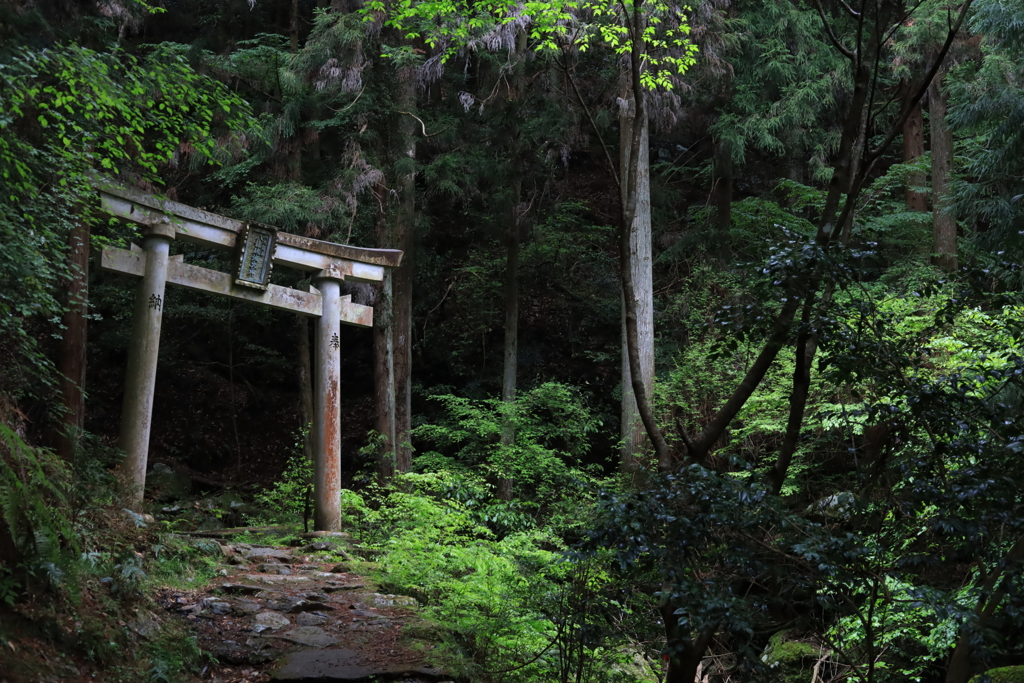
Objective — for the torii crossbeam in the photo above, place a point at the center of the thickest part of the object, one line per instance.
(257, 248)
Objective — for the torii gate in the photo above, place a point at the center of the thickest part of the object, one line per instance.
(257, 247)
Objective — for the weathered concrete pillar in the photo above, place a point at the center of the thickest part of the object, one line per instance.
(140, 380)
(327, 405)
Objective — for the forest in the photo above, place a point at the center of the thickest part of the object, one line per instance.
(702, 360)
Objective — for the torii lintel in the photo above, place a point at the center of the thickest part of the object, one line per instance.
(257, 248)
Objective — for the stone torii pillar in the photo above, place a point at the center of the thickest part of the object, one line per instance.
(327, 404)
(257, 248)
(140, 379)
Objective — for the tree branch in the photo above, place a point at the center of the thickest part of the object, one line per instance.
(423, 126)
(752, 379)
(897, 126)
(846, 52)
(849, 9)
(593, 124)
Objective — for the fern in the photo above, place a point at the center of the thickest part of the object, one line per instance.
(33, 507)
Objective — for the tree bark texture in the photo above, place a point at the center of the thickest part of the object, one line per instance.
(509, 376)
(74, 342)
(913, 148)
(628, 179)
(943, 218)
(384, 351)
(402, 283)
(683, 663)
(723, 199)
(511, 367)
(634, 440)
(305, 384)
(384, 378)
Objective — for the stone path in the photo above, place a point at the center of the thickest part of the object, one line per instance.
(280, 614)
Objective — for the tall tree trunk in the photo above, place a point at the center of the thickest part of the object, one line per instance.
(943, 219)
(913, 148)
(806, 346)
(993, 590)
(305, 384)
(384, 375)
(404, 231)
(629, 178)
(682, 665)
(634, 438)
(73, 343)
(293, 26)
(511, 368)
(306, 412)
(723, 199)
(807, 338)
(508, 384)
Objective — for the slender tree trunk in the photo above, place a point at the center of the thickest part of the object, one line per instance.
(508, 384)
(807, 340)
(293, 26)
(682, 666)
(851, 175)
(913, 147)
(384, 376)
(634, 438)
(306, 412)
(629, 179)
(943, 218)
(404, 230)
(993, 590)
(806, 346)
(73, 343)
(305, 384)
(723, 199)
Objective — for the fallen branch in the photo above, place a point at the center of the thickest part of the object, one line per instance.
(237, 531)
(423, 126)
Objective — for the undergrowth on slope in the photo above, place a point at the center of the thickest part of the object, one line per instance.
(79, 574)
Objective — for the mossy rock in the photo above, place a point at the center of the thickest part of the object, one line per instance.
(1004, 674)
(789, 660)
(164, 483)
(355, 567)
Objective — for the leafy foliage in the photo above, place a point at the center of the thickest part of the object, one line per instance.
(69, 112)
(289, 500)
(510, 608)
(34, 508)
(551, 429)
(553, 26)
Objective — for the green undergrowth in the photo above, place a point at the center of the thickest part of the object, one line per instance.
(502, 604)
(80, 574)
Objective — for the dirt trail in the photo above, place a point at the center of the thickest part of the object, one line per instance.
(282, 614)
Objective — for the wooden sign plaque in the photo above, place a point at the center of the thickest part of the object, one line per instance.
(256, 247)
